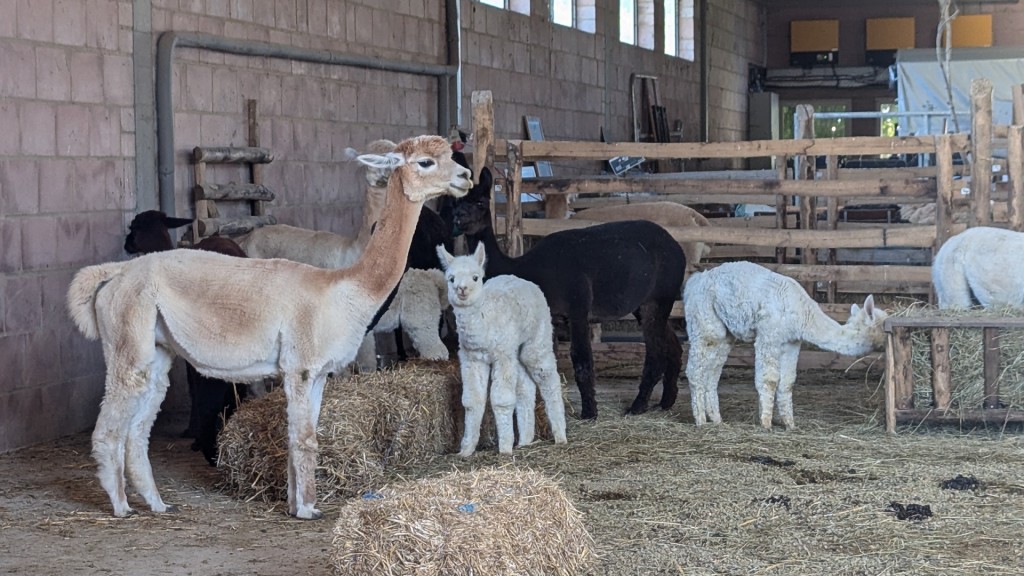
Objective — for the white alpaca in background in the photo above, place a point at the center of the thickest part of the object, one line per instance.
(747, 302)
(505, 336)
(980, 264)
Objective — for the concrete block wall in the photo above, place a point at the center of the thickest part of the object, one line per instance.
(69, 133)
(66, 172)
(578, 82)
(308, 113)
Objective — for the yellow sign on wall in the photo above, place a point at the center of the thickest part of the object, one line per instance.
(972, 30)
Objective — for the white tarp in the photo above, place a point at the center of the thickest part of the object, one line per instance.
(922, 88)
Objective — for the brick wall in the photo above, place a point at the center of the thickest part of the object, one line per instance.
(68, 133)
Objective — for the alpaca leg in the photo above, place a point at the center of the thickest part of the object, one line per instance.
(653, 317)
(673, 366)
(474, 401)
(140, 471)
(703, 371)
(582, 356)
(766, 378)
(303, 410)
(543, 373)
(192, 376)
(787, 377)
(526, 404)
(121, 401)
(366, 356)
(504, 376)
(400, 352)
(421, 325)
(951, 285)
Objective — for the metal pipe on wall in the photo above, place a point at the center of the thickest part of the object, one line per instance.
(705, 73)
(453, 36)
(164, 90)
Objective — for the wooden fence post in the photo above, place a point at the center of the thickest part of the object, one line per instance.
(1015, 156)
(483, 131)
(981, 143)
(804, 129)
(514, 213)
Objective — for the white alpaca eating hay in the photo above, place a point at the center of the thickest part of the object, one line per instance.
(747, 302)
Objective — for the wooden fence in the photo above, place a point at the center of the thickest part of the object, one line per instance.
(805, 237)
(806, 234)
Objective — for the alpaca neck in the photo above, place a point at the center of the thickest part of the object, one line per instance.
(373, 207)
(382, 264)
(826, 333)
(497, 262)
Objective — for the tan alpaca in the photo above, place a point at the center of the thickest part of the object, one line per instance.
(251, 319)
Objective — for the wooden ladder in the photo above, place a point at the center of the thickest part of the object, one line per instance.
(208, 220)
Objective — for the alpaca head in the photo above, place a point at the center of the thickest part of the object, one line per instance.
(375, 177)
(464, 275)
(867, 321)
(148, 232)
(425, 167)
(472, 213)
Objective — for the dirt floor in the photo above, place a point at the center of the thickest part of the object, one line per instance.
(659, 495)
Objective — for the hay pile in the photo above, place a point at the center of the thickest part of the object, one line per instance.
(371, 426)
(490, 521)
(966, 358)
(661, 496)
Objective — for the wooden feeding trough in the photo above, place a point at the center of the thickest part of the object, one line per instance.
(899, 375)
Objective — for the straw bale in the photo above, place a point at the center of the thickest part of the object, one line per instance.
(487, 521)
(371, 425)
(966, 358)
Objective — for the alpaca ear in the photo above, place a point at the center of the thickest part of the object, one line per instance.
(869, 305)
(480, 254)
(444, 256)
(854, 310)
(391, 160)
(486, 182)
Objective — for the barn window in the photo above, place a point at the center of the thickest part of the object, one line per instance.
(579, 14)
(823, 128)
(636, 22)
(520, 6)
(685, 34)
(671, 28)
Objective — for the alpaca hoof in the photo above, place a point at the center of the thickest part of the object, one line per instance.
(310, 514)
(466, 453)
(636, 410)
(171, 509)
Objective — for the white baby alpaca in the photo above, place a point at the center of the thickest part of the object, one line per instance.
(747, 302)
(504, 334)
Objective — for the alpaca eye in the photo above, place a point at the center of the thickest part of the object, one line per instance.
(475, 278)
(451, 279)
(425, 163)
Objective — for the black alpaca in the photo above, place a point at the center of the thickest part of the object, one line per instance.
(213, 400)
(592, 274)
